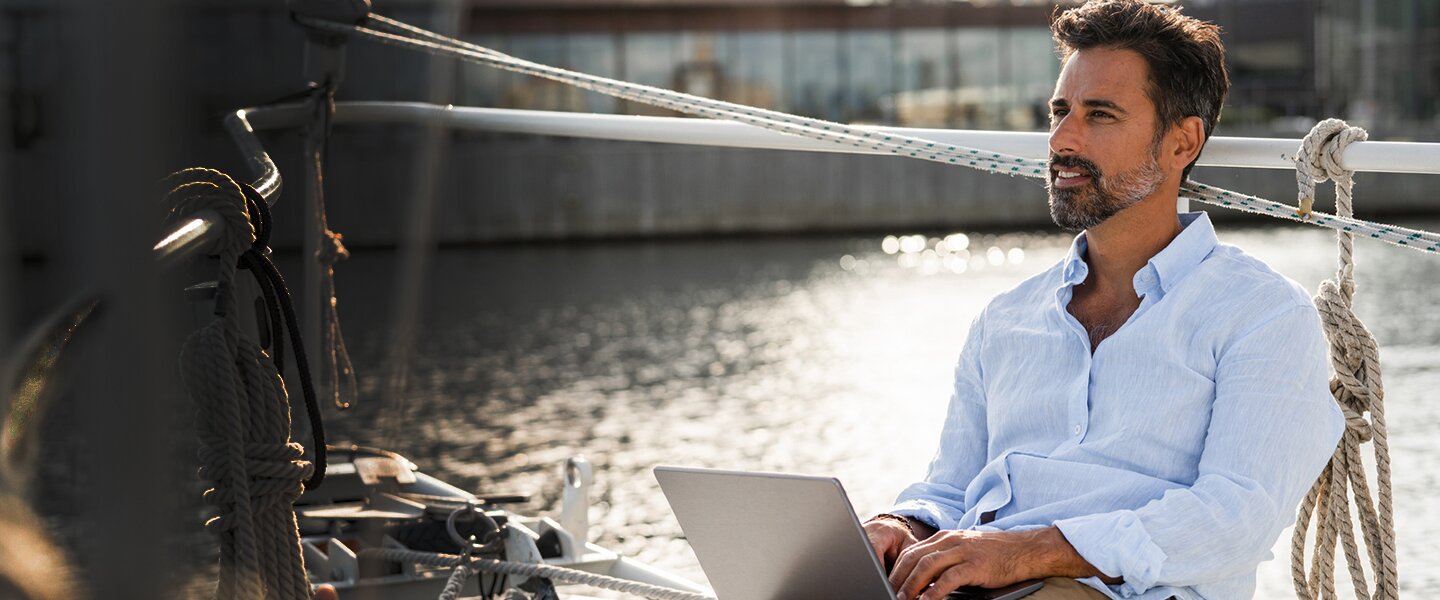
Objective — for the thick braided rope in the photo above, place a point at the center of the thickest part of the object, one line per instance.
(275, 466)
(208, 369)
(553, 572)
(396, 33)
(242, 419)
(1358, 389)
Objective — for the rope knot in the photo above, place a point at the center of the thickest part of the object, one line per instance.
(1356, 422)
(331, 249)
(1355, 383)
(1321, 158)
(198, 188)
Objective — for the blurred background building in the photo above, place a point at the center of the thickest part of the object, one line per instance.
(970, 65)
(922, 63)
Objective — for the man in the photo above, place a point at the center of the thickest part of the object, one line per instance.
(1144, 416)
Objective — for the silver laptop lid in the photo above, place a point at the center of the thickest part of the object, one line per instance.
(773, 536)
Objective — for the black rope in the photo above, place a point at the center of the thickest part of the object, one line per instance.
(272, 300)
(256, 259)
(300, 94)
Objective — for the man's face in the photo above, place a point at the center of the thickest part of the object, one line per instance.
(1104, 154)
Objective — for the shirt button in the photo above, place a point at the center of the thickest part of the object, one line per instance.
(1075, 430)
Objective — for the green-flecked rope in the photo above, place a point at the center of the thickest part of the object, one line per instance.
(390, 31)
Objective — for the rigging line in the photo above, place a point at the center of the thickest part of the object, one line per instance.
(1415, 239)
(820, 129)
(1215, 196)
(339, 381)
(896, 144)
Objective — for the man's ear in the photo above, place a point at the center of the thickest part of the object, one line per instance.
(1189, 138)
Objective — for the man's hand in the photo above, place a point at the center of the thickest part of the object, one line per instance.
(953, 559)
(889, 537)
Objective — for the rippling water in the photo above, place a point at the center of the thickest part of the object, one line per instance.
(813, 355)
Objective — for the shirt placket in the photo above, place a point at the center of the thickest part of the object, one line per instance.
(1077, 402)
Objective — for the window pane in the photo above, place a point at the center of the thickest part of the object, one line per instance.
(650, 60)
(923, 99)
(702, 63)
(870, 60)
(592, 54)
(1033, 69)
(482, 85)
(980, 97)
(528, 91)
(815, 89)
(756, 70)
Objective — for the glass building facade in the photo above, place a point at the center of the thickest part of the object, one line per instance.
(917, 77)
(955, 64)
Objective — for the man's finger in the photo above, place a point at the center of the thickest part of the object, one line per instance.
(878, 545)
(926, 569)
(924, 564)
(887, 542)
(950, 580)
(906, 559)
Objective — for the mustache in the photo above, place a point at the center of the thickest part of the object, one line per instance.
(1075, 163)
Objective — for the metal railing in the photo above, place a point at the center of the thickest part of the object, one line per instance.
(194, 234)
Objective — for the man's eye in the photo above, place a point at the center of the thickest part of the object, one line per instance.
(1100, 114)
(1056, 114)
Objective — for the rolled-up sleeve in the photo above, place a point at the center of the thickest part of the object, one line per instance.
(939, 500)
(1273, 427)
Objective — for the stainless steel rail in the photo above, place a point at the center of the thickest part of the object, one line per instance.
(196, 232)
(1247, 152)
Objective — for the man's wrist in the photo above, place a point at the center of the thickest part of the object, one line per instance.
(1060, 559)
(918, 529)
(895, 518)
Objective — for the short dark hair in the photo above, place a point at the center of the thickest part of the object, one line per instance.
(1184, 55)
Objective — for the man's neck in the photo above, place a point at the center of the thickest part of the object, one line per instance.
(1119, 247)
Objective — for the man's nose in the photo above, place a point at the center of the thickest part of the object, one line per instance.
(1065, 136)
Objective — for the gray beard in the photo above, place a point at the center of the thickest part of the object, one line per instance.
(1090, 205)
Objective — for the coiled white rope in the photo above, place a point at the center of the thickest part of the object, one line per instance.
(490, 565)
(1358, 389)
(389, 31)
(243, 419)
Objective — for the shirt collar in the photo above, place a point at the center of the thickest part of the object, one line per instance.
(1185, 252)
(1075, 269)
(1167, 268)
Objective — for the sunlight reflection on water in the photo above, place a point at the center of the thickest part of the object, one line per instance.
(814, 355)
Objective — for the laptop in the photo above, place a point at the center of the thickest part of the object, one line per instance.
(776, 536)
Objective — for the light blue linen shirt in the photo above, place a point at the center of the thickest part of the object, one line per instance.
(1175, 454)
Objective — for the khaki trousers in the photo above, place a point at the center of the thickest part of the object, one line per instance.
(1064, 588)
